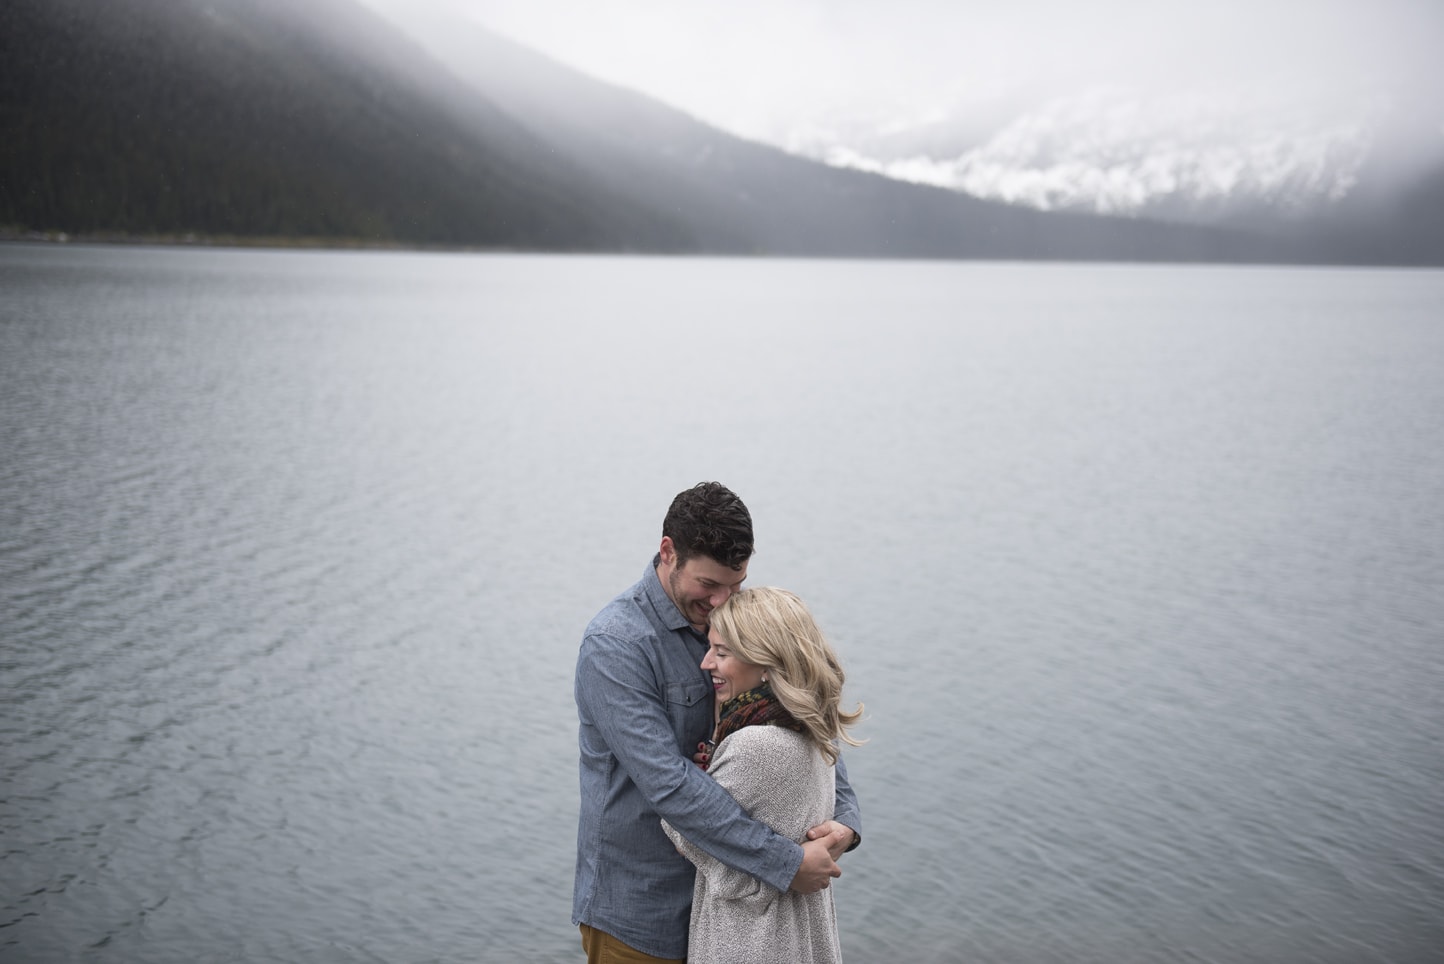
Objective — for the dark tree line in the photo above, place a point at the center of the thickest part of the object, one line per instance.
(158, 117)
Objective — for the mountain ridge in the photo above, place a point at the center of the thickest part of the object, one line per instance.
(1280, 164)
(257, 119)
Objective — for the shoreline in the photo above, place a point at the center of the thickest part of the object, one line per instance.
(194, 239)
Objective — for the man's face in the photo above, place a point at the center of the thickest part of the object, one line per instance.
(700, 585)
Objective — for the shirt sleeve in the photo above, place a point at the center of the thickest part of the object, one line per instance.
(723, 882)
(845, 809)
(618, 694)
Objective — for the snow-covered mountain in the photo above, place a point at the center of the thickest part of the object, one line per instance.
(1196, 157)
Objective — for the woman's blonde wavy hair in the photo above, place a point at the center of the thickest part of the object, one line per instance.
(773, 630)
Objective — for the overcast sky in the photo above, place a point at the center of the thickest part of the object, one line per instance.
(762, 67)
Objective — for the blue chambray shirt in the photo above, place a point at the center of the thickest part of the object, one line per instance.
(643, 703)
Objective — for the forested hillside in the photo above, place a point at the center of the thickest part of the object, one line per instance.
(240, 117)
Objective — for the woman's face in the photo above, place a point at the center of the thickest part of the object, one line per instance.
(731, 677)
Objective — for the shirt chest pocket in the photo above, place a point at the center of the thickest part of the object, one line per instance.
(686, 693)
(689, 706)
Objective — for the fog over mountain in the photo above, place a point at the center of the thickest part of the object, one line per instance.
(1113, 151)
(1212, 159)
(1254, 113)
(418, 124)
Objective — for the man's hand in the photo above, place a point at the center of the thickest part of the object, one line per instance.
(832, 829)
(819, 857)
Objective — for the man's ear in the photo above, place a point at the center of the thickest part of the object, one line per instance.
(668, 551)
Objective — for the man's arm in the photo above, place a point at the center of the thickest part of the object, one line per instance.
(846, 814)
(617, 693)
(770, 779)
(840, 835)
(845, 810)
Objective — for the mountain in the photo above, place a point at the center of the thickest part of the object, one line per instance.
(271, 119)
(278, 119)
(1350, 173)
(743, 197)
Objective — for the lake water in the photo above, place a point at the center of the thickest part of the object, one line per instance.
(1138, 570)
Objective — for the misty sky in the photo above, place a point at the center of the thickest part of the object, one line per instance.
(762, 68)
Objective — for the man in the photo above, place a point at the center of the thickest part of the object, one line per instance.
(644, 704)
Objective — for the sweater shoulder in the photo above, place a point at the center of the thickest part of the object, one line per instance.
(773, 740)
(770, 756)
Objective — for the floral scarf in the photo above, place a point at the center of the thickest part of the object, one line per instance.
(756, 707)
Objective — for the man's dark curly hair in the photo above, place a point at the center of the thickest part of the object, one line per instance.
(709, 520)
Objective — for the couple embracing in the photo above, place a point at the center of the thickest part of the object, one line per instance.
(714, 804)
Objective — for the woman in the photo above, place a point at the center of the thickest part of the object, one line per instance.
(779, 689)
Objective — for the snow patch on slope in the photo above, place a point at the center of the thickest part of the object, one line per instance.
(1115, 151)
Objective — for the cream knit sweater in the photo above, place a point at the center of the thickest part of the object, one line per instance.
(782, 779)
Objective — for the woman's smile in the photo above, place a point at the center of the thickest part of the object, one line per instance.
(731, 676)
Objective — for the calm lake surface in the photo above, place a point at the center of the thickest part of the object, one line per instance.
(1138, 570)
